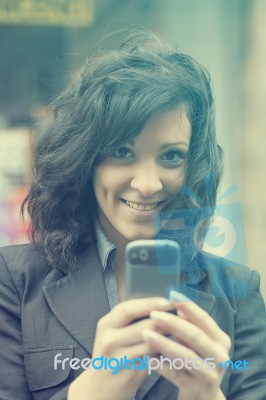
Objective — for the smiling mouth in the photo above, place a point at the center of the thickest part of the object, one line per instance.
(141, 206)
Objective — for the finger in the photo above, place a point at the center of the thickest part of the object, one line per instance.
(198, 371)
(167, 347)
(140, 350)
(190, 335)
(199, 317)
(180, 357)
(126, 312)
(132, 334)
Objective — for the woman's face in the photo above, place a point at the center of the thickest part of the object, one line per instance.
(136, 182)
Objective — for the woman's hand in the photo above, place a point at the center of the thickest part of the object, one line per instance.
(117, 335)
(196, 336)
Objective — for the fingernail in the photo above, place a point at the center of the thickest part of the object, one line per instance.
(149, 335)
(165, 304)
(176, 296)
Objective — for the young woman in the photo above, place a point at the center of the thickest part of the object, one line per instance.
(132, 138)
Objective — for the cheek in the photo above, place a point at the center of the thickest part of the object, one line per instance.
(174, 180)
(99, 183)
(107, 182)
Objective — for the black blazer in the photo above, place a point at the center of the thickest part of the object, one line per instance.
(45, 311)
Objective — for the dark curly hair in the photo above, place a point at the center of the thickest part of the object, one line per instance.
(108, 103)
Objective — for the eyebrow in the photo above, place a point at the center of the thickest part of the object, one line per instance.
(164, 145)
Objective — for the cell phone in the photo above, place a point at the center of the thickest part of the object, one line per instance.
(152, 268)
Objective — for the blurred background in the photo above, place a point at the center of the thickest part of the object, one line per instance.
(43, 41)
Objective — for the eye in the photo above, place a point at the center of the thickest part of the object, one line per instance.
(123, 152)
(173, 157)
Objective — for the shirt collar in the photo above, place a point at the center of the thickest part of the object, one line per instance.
(106, 250)
(104, 246)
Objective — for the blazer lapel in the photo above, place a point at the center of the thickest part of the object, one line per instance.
(79, 299)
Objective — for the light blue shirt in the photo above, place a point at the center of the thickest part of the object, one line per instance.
(107, 253)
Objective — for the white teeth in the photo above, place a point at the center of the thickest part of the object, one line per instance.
(149, 207)
(141, 207)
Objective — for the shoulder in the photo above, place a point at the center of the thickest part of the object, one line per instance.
(18, 252)
(215, 265)
(22, 266)
(228, 278)
(22, 257)
(26, 268)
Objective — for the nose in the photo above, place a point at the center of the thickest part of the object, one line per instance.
(147, 181)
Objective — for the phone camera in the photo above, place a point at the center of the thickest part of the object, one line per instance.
(143, 254)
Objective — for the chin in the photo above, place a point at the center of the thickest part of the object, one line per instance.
(141, 235)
